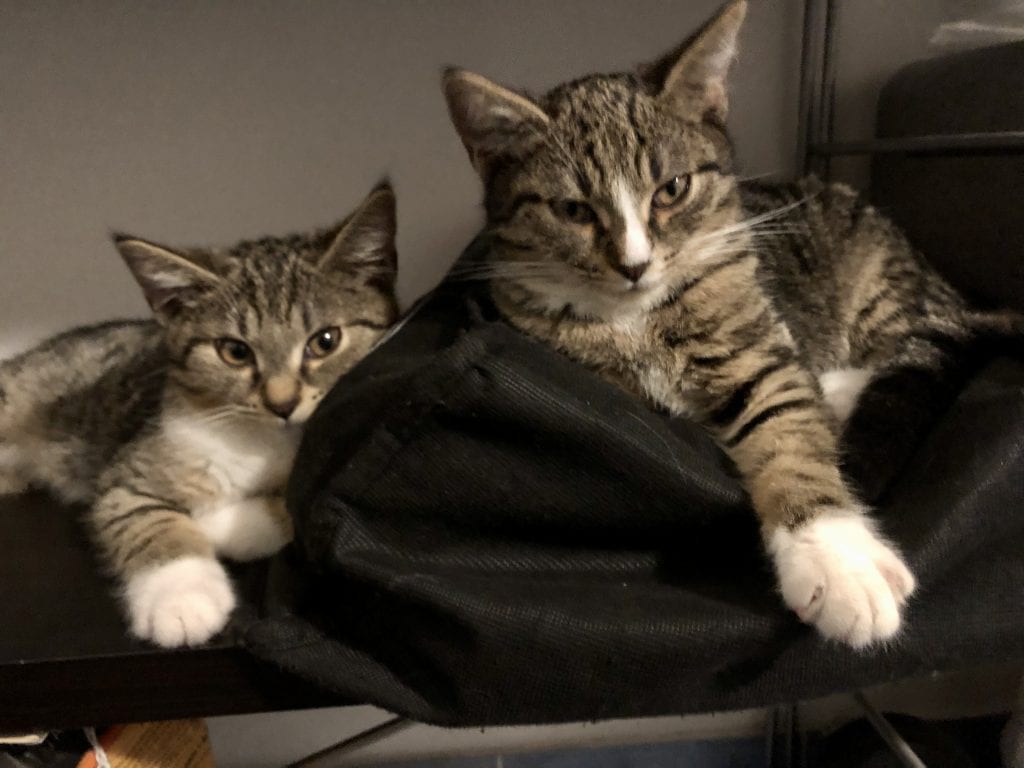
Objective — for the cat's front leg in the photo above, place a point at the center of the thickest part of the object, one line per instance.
(246, 529)
(174, 590)
(834, 569)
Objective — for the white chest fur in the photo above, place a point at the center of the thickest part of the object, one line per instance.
(663, 389)
(244, 456)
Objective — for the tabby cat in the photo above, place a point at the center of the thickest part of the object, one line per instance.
(180, 431)
(620, 234)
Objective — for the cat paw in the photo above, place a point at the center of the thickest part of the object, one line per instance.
(247, 529)
(184, 602)
(836, 573)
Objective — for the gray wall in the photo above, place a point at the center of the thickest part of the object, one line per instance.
(206, 121)
(196, 122)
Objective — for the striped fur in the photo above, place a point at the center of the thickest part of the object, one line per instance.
(183, 452)
(621, 235)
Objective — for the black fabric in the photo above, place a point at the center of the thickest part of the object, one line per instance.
(487, 533)
(963, 211)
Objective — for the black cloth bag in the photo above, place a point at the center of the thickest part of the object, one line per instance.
(487, 533)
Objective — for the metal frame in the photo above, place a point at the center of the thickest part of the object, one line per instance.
(817, 145)
(817, 85)
(326, 756)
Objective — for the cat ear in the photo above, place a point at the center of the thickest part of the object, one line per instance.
(692, 77)
(365, 241)
(163, 274)
(492, 121)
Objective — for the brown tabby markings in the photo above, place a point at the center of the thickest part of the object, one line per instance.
(180, 431)
(621, 235)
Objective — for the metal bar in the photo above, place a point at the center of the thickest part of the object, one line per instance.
(782, 737)
(810, 88)
(828, 82)
(940, 143)
(889, 735)
(352, 743)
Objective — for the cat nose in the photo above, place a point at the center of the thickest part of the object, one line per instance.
(284, 408)
(632, 272)
(281, 395)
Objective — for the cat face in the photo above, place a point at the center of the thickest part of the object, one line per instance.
(265, 328)
(604, 193)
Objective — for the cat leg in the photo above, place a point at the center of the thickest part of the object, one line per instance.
(904, 398)
(834, 569)
(174, 590)
(247, 529)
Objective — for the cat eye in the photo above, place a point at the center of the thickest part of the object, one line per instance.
(575, 211)
(323, 342)
(671, 192)
(234, 352)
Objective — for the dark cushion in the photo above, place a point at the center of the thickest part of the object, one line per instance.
(961, 208)
(488, 533)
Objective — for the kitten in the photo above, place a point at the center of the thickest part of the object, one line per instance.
(620, 234)
(180, 431)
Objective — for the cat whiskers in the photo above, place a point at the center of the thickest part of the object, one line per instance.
(229, 413)
(509, 270)
(761, 224)
(754, 234)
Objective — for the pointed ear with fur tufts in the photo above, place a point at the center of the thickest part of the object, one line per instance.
(492, 121)
(165, 276)
(691, 79)
(365, 242)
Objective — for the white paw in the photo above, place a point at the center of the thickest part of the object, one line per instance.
(840, 576)
(184, 602)
(247, 529)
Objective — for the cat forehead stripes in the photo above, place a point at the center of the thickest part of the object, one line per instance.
(594, 189)
(604, 123)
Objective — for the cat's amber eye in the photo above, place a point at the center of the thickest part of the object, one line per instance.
(234, 352)
(671, 192)
(323, 342)
(575, 211)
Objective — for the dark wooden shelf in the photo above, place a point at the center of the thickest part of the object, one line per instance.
(65, 657)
